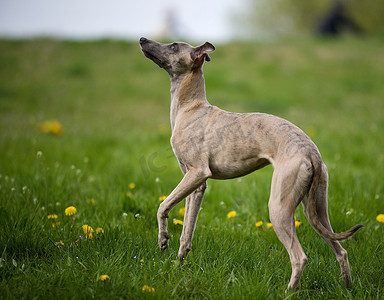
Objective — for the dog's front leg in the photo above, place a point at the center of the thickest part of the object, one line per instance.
(192, 208)
(190, 182)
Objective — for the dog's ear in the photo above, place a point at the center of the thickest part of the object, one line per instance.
(200, 53)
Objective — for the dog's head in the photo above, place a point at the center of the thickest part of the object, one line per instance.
(176, 58)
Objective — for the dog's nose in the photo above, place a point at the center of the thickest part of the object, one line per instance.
(142, 40)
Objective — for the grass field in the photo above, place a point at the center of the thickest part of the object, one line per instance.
(109, 156)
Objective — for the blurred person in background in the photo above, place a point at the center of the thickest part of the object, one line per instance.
(336, 21)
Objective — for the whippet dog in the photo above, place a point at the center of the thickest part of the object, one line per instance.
(212, 143)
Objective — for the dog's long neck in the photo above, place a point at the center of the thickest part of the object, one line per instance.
(187, 92)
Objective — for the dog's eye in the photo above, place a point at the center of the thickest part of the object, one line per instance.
(173, 47)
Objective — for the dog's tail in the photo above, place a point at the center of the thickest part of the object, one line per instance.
(317, 193)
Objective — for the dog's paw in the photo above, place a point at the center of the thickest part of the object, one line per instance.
(183, 253)
(163, 240)
(180, 257)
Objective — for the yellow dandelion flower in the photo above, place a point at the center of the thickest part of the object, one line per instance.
(177, 222)
(87, 229)
(297, 223)
(70, 211)
(104, 277)
(162, 198)
(52, 216)
(182, 211)
(259, 224)
(91, 201)
(52, 126)
(99, 230)
(132, 185)
(147, 288)
(269, 225)
(59, 244)
(55, 224)
(231, 214)
(380, 218)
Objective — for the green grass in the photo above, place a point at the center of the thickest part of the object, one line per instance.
(113, 104)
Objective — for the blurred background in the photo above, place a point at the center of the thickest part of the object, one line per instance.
(198, 20)
(88, 19)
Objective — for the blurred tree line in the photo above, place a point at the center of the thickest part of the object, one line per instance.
(288, 17)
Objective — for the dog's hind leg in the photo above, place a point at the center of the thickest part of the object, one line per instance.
(192, 208)
(290, 183)
(322, 213)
